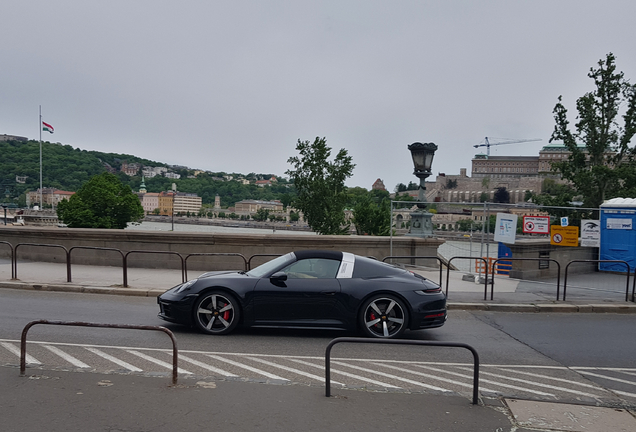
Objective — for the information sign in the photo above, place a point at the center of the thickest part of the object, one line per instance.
(536, 224)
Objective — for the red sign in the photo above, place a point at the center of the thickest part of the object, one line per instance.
(536, 224)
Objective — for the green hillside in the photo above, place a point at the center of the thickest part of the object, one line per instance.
(67, 168)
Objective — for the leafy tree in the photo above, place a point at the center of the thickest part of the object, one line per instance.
(294, 217)
(451, 184)
(603, 165)
(400, 187)
(501, 195)
(261, 215)
(102, 202)
(483, 197)
(320, 185)
(371, 217)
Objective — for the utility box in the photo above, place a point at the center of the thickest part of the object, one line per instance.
(618, 234)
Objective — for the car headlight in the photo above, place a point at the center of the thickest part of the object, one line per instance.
(184, 286)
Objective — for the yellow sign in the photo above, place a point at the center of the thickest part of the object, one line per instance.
(564, 235)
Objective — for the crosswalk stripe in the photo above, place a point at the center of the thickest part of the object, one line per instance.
(395, 377)
(206, 366)
(69, 358)
(114, 360)
(249, 368)
(486, 381)
(158, 362)
(347, 374)
(296, 371)
(607, 377)
(547, 377)
(435, 377)
(542, 385)
(13, 349)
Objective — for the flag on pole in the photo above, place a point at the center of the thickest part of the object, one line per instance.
(47, 127)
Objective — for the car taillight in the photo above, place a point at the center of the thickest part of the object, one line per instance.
(433, 290)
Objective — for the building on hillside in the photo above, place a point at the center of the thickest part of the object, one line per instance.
(263, 183)
(252, 206)
(504, 166)
(187, 202)
(5, 137)
(172, 175)
(50, 196)
(130, 169)
(378, 185)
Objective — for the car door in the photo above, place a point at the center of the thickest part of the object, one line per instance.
(308, 297)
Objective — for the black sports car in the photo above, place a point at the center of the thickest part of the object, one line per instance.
(309, 289)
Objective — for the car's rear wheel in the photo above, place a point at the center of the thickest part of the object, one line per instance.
(383, 316)
(217, 312)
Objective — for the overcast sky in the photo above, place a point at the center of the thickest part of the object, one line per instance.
(232, 85)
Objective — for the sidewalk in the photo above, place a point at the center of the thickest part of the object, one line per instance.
(591, 292)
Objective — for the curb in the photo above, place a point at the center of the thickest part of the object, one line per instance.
(492, 307)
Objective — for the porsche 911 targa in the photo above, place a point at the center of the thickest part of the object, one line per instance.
(309, 289)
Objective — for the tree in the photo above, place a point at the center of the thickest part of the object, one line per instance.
(321, 192)
(261, 215)
(601, 162)
(102, 202)
(501, 195)
(372, 218)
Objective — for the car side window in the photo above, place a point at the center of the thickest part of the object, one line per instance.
(312, 268)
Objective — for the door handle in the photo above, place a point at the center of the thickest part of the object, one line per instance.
(328, 292)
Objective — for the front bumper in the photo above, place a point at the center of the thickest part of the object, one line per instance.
(176, 309)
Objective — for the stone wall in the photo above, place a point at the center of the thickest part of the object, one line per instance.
(190, 242)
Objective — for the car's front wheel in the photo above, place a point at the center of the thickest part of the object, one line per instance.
(383, 316)
(216, 313)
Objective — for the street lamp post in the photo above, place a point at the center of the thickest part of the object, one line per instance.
(422, 154)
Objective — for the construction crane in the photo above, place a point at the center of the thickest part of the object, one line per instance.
(487, 143)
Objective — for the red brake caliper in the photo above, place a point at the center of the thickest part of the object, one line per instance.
(372, 316)
(226, 314)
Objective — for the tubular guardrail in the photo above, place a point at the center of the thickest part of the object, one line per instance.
(532, 259)
(249, 262)
(402, 342)
(211, 254)
(175, 353)
(12, 258)
(153, 252)
(485, 275)
(565, 279)
(68, 261)
(97, 248)
(441, 263)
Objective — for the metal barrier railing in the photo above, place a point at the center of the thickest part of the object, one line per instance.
(402, 342)
(66, 257)
(565, 279)
(485, 276)
(441, 263)
(97, 248)
(532, 259)
(12, 257)
(249, 262)
(175, 353)
(152, 252)
(211, 254)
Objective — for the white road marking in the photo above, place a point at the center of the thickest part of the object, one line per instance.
(249, 368)
(69, 358)
(547, 377)
(486, 381)
(296, 371)
(114, 360)
(608, 377)
(13, 349)
(622, 393)
(534, 383)
(158, 362)
(395, 377)
(347, 374)
(435, 377)
(206, 366)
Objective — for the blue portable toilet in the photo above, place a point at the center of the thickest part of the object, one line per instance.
(618, 234)
(504, 266)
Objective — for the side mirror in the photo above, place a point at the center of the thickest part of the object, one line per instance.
(278, 277)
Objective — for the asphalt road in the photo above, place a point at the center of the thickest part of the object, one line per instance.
(565, 357)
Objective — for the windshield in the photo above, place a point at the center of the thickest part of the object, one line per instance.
(272, 265)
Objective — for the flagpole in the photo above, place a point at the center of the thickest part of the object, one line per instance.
(40, 127)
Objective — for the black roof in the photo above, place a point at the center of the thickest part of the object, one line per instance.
(327, 254)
